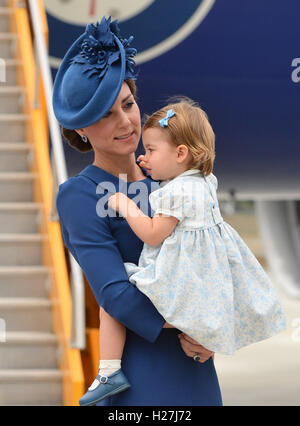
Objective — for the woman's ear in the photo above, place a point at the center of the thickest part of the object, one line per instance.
(182, 153)
(80, 132)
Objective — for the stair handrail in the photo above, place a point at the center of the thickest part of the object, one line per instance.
(78, 340)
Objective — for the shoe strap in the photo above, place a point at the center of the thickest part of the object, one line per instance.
(105, 379)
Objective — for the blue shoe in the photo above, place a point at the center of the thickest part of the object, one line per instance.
(104, 386)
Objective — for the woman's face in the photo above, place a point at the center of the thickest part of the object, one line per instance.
(119, 131)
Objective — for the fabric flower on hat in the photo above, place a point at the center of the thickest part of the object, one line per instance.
(99, 49)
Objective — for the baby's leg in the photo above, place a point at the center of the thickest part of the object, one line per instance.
(112, 338)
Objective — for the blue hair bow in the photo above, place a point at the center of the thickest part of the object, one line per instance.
(165, 121)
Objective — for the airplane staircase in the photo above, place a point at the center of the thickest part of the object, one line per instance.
(37, 365)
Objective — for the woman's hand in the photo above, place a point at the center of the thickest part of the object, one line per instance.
(191, 348)
(167, 325)
(119, 202)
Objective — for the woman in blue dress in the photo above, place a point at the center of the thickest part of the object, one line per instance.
(94, 102)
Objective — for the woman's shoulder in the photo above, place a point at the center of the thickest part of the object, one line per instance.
(75, 188)
(67, 186)
(77, 198)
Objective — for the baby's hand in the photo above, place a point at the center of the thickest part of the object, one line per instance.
(119, 203)
(141, 159)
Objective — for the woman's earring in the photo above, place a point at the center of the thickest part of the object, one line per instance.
(84, 139)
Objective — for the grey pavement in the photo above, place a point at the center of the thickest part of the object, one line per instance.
(265, 373)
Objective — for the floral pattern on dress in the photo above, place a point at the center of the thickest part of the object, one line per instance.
(203, 278)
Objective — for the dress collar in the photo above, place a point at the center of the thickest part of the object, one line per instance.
(97, 174)
(189, 172)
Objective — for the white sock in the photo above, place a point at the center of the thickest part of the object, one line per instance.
(109, 366)
(106, 367)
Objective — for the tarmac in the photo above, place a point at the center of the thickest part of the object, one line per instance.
(265, 373)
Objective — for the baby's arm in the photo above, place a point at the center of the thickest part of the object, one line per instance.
(152, 231)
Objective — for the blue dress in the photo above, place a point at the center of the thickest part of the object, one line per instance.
(203, 278)
(156, 366)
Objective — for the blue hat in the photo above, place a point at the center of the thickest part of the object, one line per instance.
(91, 75)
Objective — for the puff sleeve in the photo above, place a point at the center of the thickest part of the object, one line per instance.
(173, 199)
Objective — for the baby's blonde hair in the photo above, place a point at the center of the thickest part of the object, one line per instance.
(190, 127)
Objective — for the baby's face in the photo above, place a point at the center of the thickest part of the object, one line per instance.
(161, 154)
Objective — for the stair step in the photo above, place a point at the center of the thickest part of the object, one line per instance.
(33, 375)
(20, 206)
(11, 98)
(15, 146)
(5, 13)
(29, 351)
(8, 45)
(29, 357)
(26, 314)
(12, 127)
(19, 217)
(30, 387)
(16, 187)
(21, 249)
(8, 74)
(15, 157)
(25, 281)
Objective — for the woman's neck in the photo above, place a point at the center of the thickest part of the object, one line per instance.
(121, 165)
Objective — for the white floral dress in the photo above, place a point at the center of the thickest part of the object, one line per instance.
(203, 279)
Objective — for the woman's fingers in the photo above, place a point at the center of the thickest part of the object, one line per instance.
(186, 346)
(191, 349)
(189, 339)
(167, 325)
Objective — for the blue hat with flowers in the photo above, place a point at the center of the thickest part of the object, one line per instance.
(91, 75)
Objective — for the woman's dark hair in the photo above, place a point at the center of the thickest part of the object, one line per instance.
(74, 139)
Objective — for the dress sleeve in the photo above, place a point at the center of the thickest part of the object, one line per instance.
(173, 200)
(89, 239)
(214, 181)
